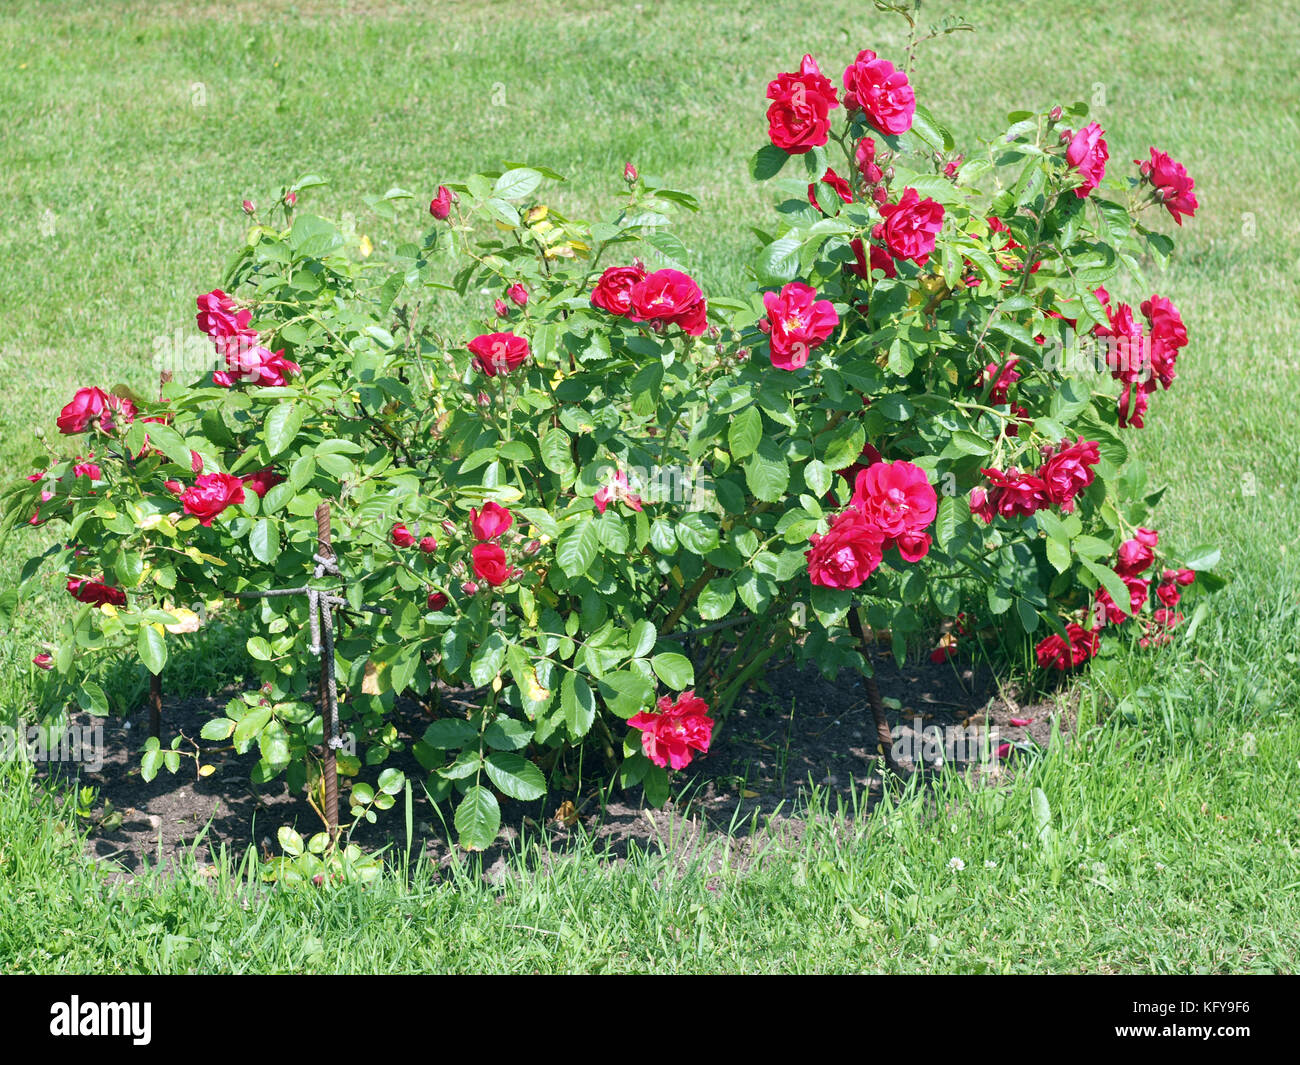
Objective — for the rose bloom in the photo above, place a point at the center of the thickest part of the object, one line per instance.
(428, 545)
(911, 226)
(880, 260)
(1171, 183)
(848, 554)
(440, 207)
(1069, 470)
(1087, 153)
(1168, 335)
(895, 497)
(262, 481)
(1136, 555)
(798, 119)
(1014, 492)
(218, 317)
(1138, 592)
(1127, 348)
(796, 323)
(613, 291)
(874, 86)
(669, 736)
(618, 490)
(252, 364)
(1003, 377)
(670, 297)
(86, 405)
(211, 494)
(1168, 594)
(1055, 653)
(518, 295)
(401, 536)
(490, 564)
(95, 592)
(834, 181)
(491, 522)
(496, 353)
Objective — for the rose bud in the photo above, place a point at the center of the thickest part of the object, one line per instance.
(248, 207)
(484, 400)
(500, 307)
(532, 547)
(290, 198)
(401, 536)
(469, 588)
(440, 208)
(449, 526)
(428, 545)
(518, 295)
(318, 879)
(629, 174)
(437, 601)
(43, 661)
(1055, 113)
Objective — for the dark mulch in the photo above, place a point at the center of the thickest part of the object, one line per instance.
(802, 732)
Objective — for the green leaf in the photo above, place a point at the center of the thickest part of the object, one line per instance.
(716, 598)
(478, 818)
(1111, 581)
(1206, 556)
(264, 541)
(767, 162)
(817, 476)
(219, 728)
(450, 733)
(516, 184)
(778, 263)
(488, 660)
(281, 428)
(744, 433)
(674, 670)
(626, 692)
(578, 704)
(515, 776)
(313, 238)
(767, 472)
(655, 784)
(153, 649)
(290, 842)
(576, 549)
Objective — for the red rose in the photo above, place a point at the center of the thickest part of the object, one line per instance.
(1136, 555)
(518, 295)
(797, 322)
(500, 307)
(95, 592)
(252, 364)
(880, 260)
(798, 119)
(671, 297)
(848, 554)
(491, 522)
(1138, 591)
(401, 536)
(496, 353)
(43, 661)
(440, 207)
(262, 481)
(613, 291)
(1055, 653)
(219, 319)
(1068, 471)
(1013, 493)
(86, 405)
(834, 181)
(874, 86)
(1168, 335)
(490, 564)
(911, 226)
(669, 736)
(629, 173)
(617, 489)
(428, 545)
(1168, 594)
(1003, 377)
(1087, 153)
(896, 498)
(1171, 183)
(210, 495)
(437, 601)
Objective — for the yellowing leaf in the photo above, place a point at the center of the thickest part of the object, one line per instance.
(367, 249)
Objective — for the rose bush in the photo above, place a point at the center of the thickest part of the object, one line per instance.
(601, 503)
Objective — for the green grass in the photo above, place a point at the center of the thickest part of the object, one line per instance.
(139, 128)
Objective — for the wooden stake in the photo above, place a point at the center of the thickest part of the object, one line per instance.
(331, 771)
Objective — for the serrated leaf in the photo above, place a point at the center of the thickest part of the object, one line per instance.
(478, 818)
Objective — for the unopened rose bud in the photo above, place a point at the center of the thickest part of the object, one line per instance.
(39, 433)
(880, 196)
(742, 354)
(500, 307)
(290, 198)
(440, 207)
(449, 526)
(1055, 113)
(469, 588)
(43, 661)
(518, 295)
(248, 207)
(889, 173)
(712, 332)
(532, 547)
(458, 569)
(484, 400)
(318, 879)
(428, 545)
(629, 174)
(437, 601)
(1065, 136)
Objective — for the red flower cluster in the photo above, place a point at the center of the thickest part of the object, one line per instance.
(499, 353)
(489, 557)
(1066, 471)
(680, 727)
(892, 506)
(797, 322)
(1171, 184)
(246, 359)
(666, 297)
(1056, 653)
(1141, 360)
(94, 406)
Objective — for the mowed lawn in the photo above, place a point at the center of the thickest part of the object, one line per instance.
(1166, 840)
